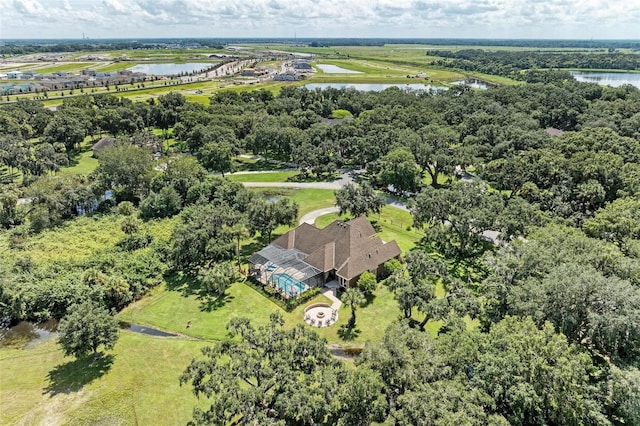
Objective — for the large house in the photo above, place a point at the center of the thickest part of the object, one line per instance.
(308, 256)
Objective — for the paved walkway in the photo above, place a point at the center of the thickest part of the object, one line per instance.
(330, 293)
(312, 216)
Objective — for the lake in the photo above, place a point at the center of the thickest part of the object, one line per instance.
(171, 69)
(614, 79)
(333, 69)
(372, 87)
(476, 84)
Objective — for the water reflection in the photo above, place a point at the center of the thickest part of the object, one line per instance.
(171, 69)
(27, 335)
(144, 329)
(334, 69)
(472, 82)
(614, 79)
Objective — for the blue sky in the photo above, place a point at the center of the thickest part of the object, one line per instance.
(584, 19)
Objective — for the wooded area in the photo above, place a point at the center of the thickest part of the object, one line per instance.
(539, 326)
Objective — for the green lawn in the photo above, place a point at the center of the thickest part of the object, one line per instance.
(262, 177)
(82, 163)
(308, 199)
(442, 179)
(67, 67)
(171, 309)
(136, 383)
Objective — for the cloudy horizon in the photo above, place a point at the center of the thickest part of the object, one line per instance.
(489, 19)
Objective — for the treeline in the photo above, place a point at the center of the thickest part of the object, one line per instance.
(547, 43)
(511, 64)
(24, 48)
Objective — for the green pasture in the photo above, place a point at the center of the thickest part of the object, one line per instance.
(136, 383)
(9, 66)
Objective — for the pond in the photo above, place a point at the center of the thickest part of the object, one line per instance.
(373, 87)
(474, 83)
(614, 79)
(144, 329)
(27, 335)
(333, 69)
(171, 69)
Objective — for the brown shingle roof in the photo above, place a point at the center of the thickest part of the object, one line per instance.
(103, 143)
(551, 131)
(348, 247)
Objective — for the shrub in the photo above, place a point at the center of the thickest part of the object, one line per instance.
(367, 283)
(166, 203)
(135, 242)
(126, 208)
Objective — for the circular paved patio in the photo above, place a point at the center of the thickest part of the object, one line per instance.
(320, 315)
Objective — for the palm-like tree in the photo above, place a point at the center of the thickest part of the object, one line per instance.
(239, 231)
(354, 298)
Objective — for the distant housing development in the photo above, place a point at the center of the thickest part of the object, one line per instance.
(308, 256)
(63, 80)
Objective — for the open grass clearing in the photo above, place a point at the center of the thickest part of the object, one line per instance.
(64, 67)
(136, 383)
(83, 162)
(171, 308)
(308, 200)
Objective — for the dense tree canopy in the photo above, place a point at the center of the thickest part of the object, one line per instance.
(127, 169)
(358, 200)
(267, 376)
(85, 328)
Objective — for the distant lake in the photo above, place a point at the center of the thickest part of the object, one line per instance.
(614, 79)
(372, 87)
(171, 69)
(476, 84)
(333, 69)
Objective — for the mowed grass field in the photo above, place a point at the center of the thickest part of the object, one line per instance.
(136, 383)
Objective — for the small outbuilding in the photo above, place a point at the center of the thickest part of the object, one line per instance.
(102, 144)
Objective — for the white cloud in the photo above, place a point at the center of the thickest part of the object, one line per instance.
(321, 18)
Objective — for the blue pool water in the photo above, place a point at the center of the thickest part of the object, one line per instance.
(287, 283)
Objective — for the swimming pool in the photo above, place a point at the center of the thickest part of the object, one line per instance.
(289, 284)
